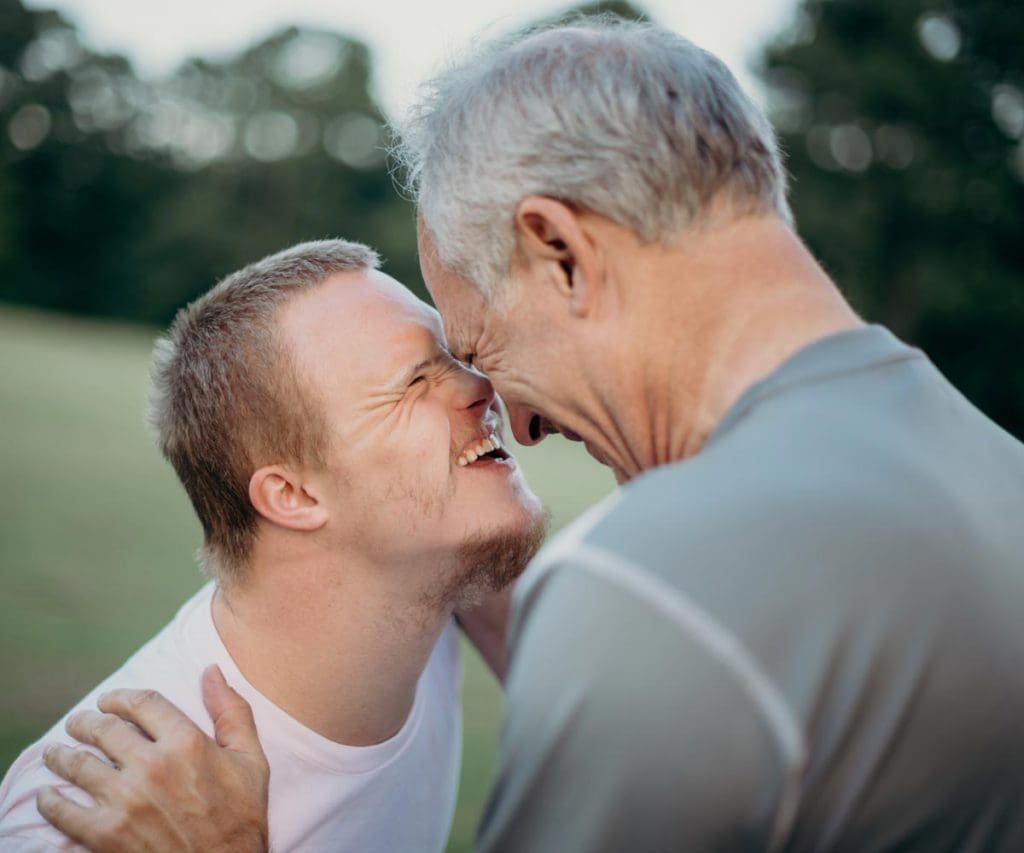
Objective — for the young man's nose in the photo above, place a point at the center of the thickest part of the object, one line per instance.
(475, 392)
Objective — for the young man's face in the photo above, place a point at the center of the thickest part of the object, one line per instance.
(416, 457)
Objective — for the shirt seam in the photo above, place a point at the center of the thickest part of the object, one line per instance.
(781, 386)
(726, 648)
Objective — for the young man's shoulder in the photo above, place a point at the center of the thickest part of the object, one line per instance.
(166, 664)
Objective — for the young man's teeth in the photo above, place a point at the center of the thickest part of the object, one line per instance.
(486, 446)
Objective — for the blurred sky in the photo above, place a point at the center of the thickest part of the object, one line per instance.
(408, 39)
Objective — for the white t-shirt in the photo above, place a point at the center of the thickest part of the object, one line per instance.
(397, 796)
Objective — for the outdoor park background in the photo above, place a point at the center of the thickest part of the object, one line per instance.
(122, 196)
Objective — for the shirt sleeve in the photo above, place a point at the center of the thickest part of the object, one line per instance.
(22, 828)
(624, 732)
(26, 844)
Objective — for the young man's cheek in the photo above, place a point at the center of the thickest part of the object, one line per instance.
(429, 436)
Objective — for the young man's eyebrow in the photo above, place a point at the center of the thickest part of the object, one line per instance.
(409, 373)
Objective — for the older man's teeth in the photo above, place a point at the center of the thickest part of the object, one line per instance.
(471, 454)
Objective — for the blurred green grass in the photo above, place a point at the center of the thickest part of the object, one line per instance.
(97, 537)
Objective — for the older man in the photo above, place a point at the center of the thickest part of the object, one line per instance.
(353, 490)
(799, 624)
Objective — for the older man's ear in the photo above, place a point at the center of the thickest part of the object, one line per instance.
(557, 245)
(285, 498)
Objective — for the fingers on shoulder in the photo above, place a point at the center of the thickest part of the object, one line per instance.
(148, 709)
(95, 828)
(125, 701)
(91, 727)
(80, 767)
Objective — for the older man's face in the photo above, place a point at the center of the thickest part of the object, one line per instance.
(531, 363)
(413, 460)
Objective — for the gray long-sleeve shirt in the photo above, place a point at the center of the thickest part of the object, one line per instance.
(810, 636)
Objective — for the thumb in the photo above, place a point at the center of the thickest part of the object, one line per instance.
(233, 724)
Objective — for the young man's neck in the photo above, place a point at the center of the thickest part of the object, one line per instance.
(325, 644)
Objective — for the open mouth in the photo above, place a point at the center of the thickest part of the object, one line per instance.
(485, 449)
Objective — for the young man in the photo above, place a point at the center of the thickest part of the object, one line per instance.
(354, 492)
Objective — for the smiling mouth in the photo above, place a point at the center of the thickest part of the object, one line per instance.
(488, 448)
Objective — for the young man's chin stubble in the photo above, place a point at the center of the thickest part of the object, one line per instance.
(488, 562)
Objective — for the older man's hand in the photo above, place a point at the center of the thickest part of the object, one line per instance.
(171, 787)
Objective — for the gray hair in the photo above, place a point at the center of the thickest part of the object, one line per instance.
(225, 397)
(624, 119)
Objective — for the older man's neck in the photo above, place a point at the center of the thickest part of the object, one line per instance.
(732, 305)
(338, 655)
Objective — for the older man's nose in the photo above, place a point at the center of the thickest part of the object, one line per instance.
(527, 425)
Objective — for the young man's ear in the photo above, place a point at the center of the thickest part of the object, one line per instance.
(282, 497)
(554, 236)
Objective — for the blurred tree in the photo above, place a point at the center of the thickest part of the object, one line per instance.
(283, 143)
(69, 208)
(126, 198)
(903, 122)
